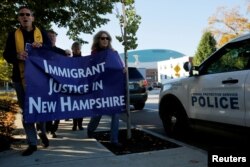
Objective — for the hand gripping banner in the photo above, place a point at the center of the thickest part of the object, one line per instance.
(59, 87)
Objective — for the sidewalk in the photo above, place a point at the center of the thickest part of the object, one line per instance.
(74, 149)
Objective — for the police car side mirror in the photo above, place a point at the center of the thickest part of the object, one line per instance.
(193, 70)
(187, 66)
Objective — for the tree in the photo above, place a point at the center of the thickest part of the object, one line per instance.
(206, 47)
(77, 16)
(132, 22)
(227, 24)
(129, 23)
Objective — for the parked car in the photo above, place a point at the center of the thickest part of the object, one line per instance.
(157, 85)
(216, 94)
(137, 88)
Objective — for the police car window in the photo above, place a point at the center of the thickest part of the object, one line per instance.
(233, 58)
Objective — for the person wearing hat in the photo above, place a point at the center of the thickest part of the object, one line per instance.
(52, 126)
(52, 36)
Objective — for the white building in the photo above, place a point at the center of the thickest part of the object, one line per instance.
(172, 68)
(160, 64)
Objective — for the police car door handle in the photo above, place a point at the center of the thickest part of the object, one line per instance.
(230, 81)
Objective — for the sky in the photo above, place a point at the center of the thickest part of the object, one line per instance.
(166, 24)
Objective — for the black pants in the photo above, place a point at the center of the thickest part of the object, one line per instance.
(52, 126)
(77, 122)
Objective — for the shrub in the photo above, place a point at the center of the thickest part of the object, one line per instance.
(8, 110)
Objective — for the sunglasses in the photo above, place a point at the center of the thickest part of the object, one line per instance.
(103, 38)
(24, 14)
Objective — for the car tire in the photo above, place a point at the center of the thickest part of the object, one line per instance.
(139, 106)
(175, 121)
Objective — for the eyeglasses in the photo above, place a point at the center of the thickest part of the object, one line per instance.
(103, 38)
(24, 14)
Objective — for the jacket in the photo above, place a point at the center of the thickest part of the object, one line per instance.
(10, 53)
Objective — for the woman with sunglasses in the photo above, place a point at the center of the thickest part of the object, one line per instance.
(102, 41)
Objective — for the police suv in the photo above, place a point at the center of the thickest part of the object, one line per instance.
(217, 92)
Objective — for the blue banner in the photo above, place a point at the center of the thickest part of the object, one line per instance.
(59, 87)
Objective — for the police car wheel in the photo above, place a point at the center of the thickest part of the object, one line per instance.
(174, 120)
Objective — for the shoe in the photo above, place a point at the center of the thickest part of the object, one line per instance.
(80, 128)
(29, 150)
(74, 128)
(53, 135)
(44, 139)
(90, 134)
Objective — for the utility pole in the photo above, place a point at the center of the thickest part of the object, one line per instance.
(126, 67)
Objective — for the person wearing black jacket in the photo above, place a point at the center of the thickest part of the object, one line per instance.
(16, 52)
(52, 36)
(76, 50)
(52, 126)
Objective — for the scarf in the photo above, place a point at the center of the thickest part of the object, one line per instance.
(19, 40)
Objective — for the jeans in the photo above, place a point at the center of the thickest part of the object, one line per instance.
(114, 126)
(30, 129)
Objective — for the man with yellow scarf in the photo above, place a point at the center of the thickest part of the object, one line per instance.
(18, 42)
